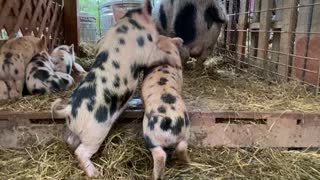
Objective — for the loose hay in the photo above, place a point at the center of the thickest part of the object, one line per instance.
(125, 157)
(226, 90)
(220, 90)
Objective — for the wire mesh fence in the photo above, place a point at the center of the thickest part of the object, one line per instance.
(277, 40)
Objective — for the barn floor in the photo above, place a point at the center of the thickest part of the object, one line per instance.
(125, 157)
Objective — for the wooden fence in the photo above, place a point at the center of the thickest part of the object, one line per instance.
(55, 19)
(275, 39)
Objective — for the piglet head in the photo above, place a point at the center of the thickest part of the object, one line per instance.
(141, 15)
(169, 49)
(63, 57)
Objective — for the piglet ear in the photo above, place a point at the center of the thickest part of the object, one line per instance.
(147, 8)
(43, 43)
(177, 41)
(71, 47)
(118, 12)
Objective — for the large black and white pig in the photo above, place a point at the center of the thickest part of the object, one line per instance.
(197, 22)
(41, 77)
(166, 123)
(128, 47)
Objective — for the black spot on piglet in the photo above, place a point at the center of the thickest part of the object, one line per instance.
(162, 81)
(168, 98)
(140, 41)
(100, 59)
(161, 109)
(176, 129)
(42, 75)
(102, 114)
(165, 124)
(148, 142)
(122, 29)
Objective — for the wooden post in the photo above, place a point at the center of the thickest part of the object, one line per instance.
(289, 19)
(229, 26)
(243, 25)
(71, 23)
(275, 56)
(265, 25)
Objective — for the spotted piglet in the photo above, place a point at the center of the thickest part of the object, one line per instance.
(15, 54)
(63, 58)
(166, 122)
(41, 77)
(128, 47)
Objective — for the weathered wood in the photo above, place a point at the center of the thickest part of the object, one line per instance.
(229, 25)
(275, 56)
(289, 19)
(265, 25)
(232, 129)
(242, 35)
(31, 17)
(71, 24)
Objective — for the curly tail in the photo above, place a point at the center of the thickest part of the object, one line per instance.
(64, 112)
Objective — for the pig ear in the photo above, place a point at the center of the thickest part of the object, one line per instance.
(71, 46)
(43, 42)
(147, 8)
(118, 12)
(177, 41)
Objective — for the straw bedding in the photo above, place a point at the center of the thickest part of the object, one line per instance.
(125, 157)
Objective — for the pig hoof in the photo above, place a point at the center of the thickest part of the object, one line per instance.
(91, 171)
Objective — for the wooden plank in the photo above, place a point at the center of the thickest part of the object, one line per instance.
(256, 8)
(289, 19)
(5, 12)
(71, 24)
(232, 129)
(265, 25)
(242, 35)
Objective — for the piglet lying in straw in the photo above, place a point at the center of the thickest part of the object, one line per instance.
(165, 124)
(63, 58)
(41, 77)
(96, 104)
(15, 54)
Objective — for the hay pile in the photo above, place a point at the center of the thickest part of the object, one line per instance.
(125, 157)
(226, 90)
(86, 55)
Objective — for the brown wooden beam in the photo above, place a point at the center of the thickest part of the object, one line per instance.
(71, 23)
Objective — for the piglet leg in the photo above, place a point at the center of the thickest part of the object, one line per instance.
(159, 162)
(182, 151)
(84, 153)
(13, 91)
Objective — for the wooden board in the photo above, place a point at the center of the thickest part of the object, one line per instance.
(71, 23)
(241, 129)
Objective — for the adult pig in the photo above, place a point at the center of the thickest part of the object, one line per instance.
(197, 22)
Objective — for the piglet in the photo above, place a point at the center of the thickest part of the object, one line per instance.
(15, 54)
(63, 58)
(41, 77)
(128, 47)
(166, 123)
